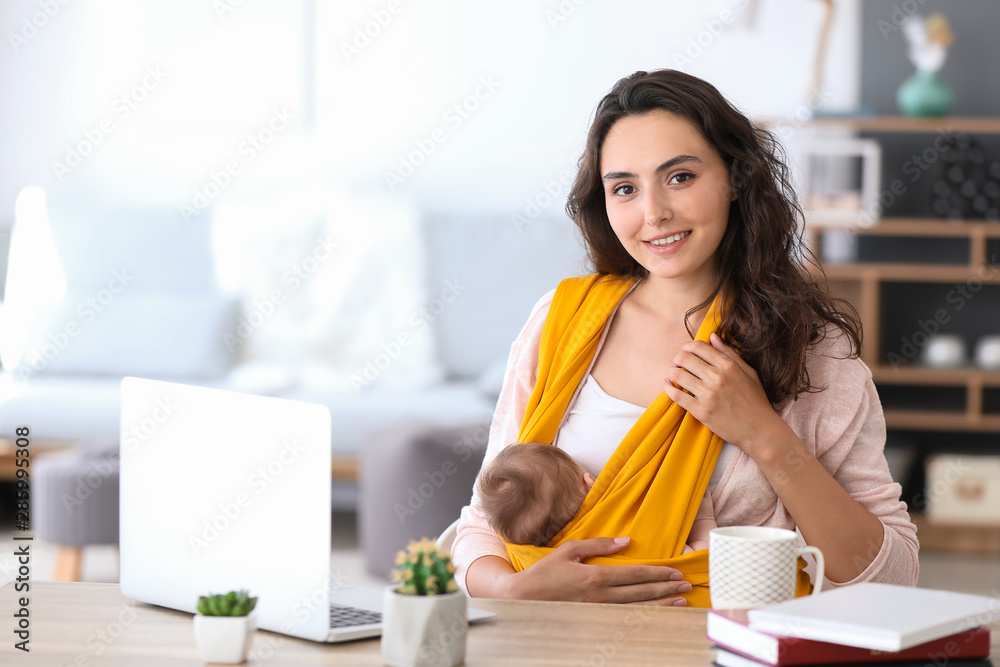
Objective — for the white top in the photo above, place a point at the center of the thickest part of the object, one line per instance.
(597, 423)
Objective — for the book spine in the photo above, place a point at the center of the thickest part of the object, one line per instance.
(973, 643)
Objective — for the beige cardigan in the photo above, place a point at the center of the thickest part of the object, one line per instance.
(842, 426)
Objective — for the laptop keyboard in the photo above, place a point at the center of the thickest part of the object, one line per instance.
(345, 617)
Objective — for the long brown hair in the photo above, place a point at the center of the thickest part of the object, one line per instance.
(772, 309)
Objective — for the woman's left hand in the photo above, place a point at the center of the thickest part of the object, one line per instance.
(722, 392)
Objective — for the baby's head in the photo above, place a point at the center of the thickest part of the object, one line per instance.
(531, 490)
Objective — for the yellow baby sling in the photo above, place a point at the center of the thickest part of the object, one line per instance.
(653, 484)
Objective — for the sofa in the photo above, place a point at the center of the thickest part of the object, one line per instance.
(403, 329)
(92, 294)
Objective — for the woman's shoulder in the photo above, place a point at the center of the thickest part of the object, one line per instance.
(541, 308)
(569, 289)
(528, 339)
(842, 407)
(833, 354)
(539, 312)
(838, 377)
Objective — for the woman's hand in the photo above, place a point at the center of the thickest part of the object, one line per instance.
(722, 392)
(562, 575)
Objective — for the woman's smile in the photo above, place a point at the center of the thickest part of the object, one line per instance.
(668, 244)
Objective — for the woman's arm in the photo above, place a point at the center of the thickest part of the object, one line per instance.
(834, 514)
(829, 518)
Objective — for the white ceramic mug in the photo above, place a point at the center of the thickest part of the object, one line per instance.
(753, 566)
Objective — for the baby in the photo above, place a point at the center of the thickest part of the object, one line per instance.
(531, 490)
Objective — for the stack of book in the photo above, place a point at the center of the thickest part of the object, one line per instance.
(863, 623)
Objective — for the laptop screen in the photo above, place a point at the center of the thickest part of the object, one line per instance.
(222, 491)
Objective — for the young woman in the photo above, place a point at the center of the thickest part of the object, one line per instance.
(687, 209)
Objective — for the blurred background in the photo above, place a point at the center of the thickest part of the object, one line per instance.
(357, 204)
(362, 84)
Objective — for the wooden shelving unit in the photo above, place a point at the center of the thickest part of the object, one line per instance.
(861, 283)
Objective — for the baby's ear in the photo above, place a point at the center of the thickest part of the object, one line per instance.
(588, 480)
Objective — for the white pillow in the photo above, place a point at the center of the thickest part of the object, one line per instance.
(334, 284)
(155, 334)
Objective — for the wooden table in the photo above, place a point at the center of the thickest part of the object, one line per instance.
(85, 624)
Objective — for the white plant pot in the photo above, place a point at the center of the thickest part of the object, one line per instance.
(423, 630)
(224, 639)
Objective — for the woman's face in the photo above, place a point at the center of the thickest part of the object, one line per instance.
(667, 194)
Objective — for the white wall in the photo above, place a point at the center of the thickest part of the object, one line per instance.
(209, 79)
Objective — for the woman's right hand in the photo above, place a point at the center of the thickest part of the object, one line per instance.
(562, 575)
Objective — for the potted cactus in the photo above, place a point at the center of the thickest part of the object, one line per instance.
(424, 618)
(224, 626)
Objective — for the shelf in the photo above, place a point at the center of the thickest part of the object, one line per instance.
(913, 273)
(905, 124)
(924, 420)
(921, 375)
(962, 538)
(978, 234)
(919, 227)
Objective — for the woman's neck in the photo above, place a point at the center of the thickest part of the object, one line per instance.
(669, 299)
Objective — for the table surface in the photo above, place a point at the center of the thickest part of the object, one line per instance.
(84, 624)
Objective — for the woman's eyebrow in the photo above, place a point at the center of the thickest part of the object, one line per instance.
(672, 162)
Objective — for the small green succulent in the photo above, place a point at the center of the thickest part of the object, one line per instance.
(423, 570)
(233, 603)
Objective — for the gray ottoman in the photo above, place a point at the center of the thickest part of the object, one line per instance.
(414, 480)
(75, 503)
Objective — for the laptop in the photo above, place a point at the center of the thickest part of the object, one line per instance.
(223, 491)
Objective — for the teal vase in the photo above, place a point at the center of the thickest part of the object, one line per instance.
(925, 94)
